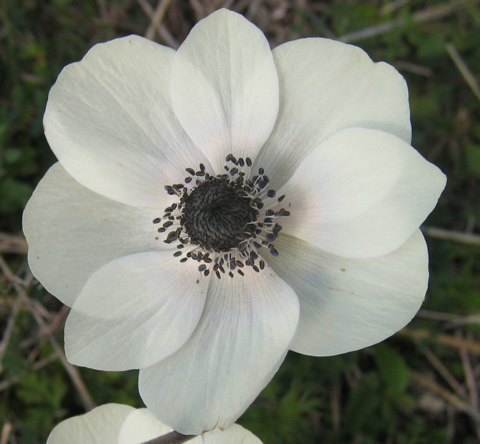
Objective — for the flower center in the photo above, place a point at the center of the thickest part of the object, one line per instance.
(224, 222)
(216, 213)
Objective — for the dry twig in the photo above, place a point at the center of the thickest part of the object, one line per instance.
(6, 431)
(39, 318)
(446, 340)
(471, 384)
(451, 398)
(443, 371)
(457, 236)
(162, 30)
(464, 70)
(428, 14)
(156, 18)
(10, 243)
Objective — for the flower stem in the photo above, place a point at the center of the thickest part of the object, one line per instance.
(171, 438)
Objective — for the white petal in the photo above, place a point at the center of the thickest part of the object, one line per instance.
(362, 193)
(110, 122)
(239, 343)
(225, 87)
(135, 311)
(99, 426)
(235, 434)
(141, 426)
(347, 304)
(326, 86)
(72, 232)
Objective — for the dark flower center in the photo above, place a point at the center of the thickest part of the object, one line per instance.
(226, 221)
(216, 214)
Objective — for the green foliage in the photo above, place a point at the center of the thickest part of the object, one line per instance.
(392, 368)
(473, 158)
(43, 394)
(279, 416)
(120, 386)
(15, 195)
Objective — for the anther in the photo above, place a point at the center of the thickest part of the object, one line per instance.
(221, 221)
(273, 252)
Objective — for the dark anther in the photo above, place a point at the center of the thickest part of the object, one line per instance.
(270, 237)
(273, 252)
(231, 158)
(220, 219)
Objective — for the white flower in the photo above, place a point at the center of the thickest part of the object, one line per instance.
(286, 196)
(122, 424)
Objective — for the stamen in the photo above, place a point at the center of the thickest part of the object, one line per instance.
(223, 220)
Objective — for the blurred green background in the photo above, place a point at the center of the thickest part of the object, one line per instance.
(420, 386)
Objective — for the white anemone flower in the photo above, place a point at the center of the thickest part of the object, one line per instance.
(122, 424)
(216, 206)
